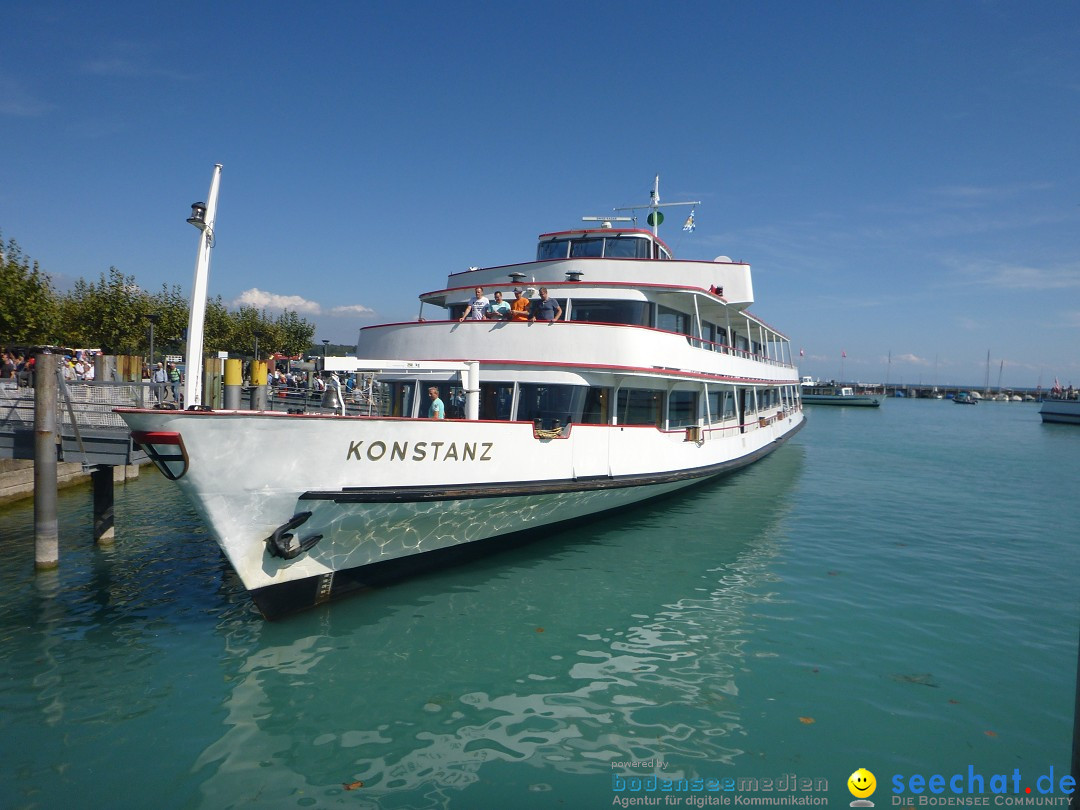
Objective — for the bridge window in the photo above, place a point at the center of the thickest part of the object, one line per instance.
(613, 247)
(626, 248)
(586, 248)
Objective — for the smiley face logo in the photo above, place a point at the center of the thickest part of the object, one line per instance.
(861, 783)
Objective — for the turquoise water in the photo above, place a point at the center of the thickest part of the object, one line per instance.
(894, 589)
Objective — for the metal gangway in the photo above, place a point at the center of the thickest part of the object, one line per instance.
(90, 433)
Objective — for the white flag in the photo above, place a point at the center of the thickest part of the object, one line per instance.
(689, 225)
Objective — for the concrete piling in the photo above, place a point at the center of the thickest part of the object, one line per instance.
(46, 434)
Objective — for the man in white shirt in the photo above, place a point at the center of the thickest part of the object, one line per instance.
(477, 309)
(159, 378)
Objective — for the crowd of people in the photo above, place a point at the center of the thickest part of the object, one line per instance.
(19, 366)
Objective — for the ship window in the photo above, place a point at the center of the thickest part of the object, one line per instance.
(455, 405)
(634, 313)
(597, 405)
(639, 406)
(672, 320)
(401, 398)
(586, 248)
(549, 403)
(552, 249)
(682, 408)
(495, 400)
(626, 248)
(721, 405)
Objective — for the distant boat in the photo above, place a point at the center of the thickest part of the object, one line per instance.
(965, 398)
(1064, 411)
(814, 393)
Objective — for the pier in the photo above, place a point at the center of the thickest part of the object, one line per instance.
(55, 423)
(924, 391)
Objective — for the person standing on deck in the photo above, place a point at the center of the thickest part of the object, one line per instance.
(498, 310)
(477, 309)
(545, 309)
(519, 310)
(436, 410)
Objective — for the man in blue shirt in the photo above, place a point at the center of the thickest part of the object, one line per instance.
(498, 310)
(545, 309)
(436, 409)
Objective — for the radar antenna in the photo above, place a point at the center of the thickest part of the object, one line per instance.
(605, 222)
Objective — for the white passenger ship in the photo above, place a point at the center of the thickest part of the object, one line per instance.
(655, 378)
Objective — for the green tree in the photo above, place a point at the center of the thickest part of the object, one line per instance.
(170, 308)
(111, 315)
(218, 329)
(249, 325)
(296, 333)
(29, 308)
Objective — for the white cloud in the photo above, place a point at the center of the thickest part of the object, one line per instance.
(913, 359)
(260, 299)
(1021, 277)
(353, 309)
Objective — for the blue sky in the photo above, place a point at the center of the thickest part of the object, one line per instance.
(902, 176)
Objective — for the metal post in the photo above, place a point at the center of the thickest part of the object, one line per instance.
(102, 480)
(194, 359)
(234, 383)
(46, 535)
(470, 379)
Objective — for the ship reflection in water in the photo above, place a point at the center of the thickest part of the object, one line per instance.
(616, 640)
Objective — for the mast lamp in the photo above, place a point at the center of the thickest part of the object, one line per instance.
(198, 215)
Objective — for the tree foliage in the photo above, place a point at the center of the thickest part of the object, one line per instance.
(29, 311)
(115, 313)
(110, 315)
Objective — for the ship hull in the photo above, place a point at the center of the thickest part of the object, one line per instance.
(382, 498)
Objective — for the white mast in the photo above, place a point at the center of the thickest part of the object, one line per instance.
(655, 217)
(202, 217)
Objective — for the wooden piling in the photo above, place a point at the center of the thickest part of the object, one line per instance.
(259, 398)
(46, 433)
